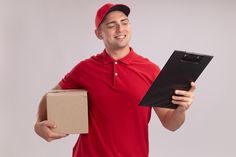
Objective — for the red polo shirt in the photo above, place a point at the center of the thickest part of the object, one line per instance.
(118, 126)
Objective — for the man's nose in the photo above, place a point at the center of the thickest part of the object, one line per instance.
(119, 28)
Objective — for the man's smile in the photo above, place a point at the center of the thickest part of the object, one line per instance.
(120, 36)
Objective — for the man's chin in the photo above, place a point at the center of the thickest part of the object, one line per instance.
(122, 45)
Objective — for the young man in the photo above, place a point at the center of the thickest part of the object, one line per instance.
(116, 80)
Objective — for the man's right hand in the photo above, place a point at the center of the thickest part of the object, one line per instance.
(44, 130)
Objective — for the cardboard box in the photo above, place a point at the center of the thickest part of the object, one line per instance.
(69, 110)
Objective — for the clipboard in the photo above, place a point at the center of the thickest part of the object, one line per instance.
(180, 70)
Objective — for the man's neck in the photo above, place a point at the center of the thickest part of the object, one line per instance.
(119, 53)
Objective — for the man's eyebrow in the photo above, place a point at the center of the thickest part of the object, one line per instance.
(111, 22)
(126, 19)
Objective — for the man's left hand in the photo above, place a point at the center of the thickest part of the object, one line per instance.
(184, 99)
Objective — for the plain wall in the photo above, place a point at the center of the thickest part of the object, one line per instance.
(41, 40)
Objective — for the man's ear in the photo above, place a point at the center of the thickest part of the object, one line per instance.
(98, 33)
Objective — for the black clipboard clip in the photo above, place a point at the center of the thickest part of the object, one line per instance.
(181, 68)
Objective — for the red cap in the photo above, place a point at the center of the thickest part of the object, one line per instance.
(107, 8)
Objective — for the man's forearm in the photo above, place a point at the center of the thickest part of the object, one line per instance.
(42, 110)
(174, 119)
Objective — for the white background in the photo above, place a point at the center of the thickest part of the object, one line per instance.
(41, 40)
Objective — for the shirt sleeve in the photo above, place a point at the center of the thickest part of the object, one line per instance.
(156, 71)
(71, 79)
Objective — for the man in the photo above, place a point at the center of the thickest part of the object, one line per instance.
(116, 80)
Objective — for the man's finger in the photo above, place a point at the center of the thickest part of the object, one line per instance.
(180, 98)
(184, 93)
(56, 135)
(193, 87)
(49, 124)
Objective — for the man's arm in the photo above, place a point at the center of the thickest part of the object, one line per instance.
(173, 119)
(43, 127)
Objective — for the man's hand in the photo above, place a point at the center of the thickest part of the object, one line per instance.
(184, 99)
(44, 130)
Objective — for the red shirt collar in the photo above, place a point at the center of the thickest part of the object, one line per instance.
(106, 59)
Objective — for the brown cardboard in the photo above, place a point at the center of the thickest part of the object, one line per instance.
(69, 110)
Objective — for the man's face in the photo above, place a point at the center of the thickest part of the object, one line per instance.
(115, 31)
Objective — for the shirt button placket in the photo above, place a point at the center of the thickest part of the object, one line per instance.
(115, 73)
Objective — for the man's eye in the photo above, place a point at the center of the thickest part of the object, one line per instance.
(125, 22)
(110, 26)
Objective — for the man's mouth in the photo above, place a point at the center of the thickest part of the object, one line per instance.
(120, 36)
